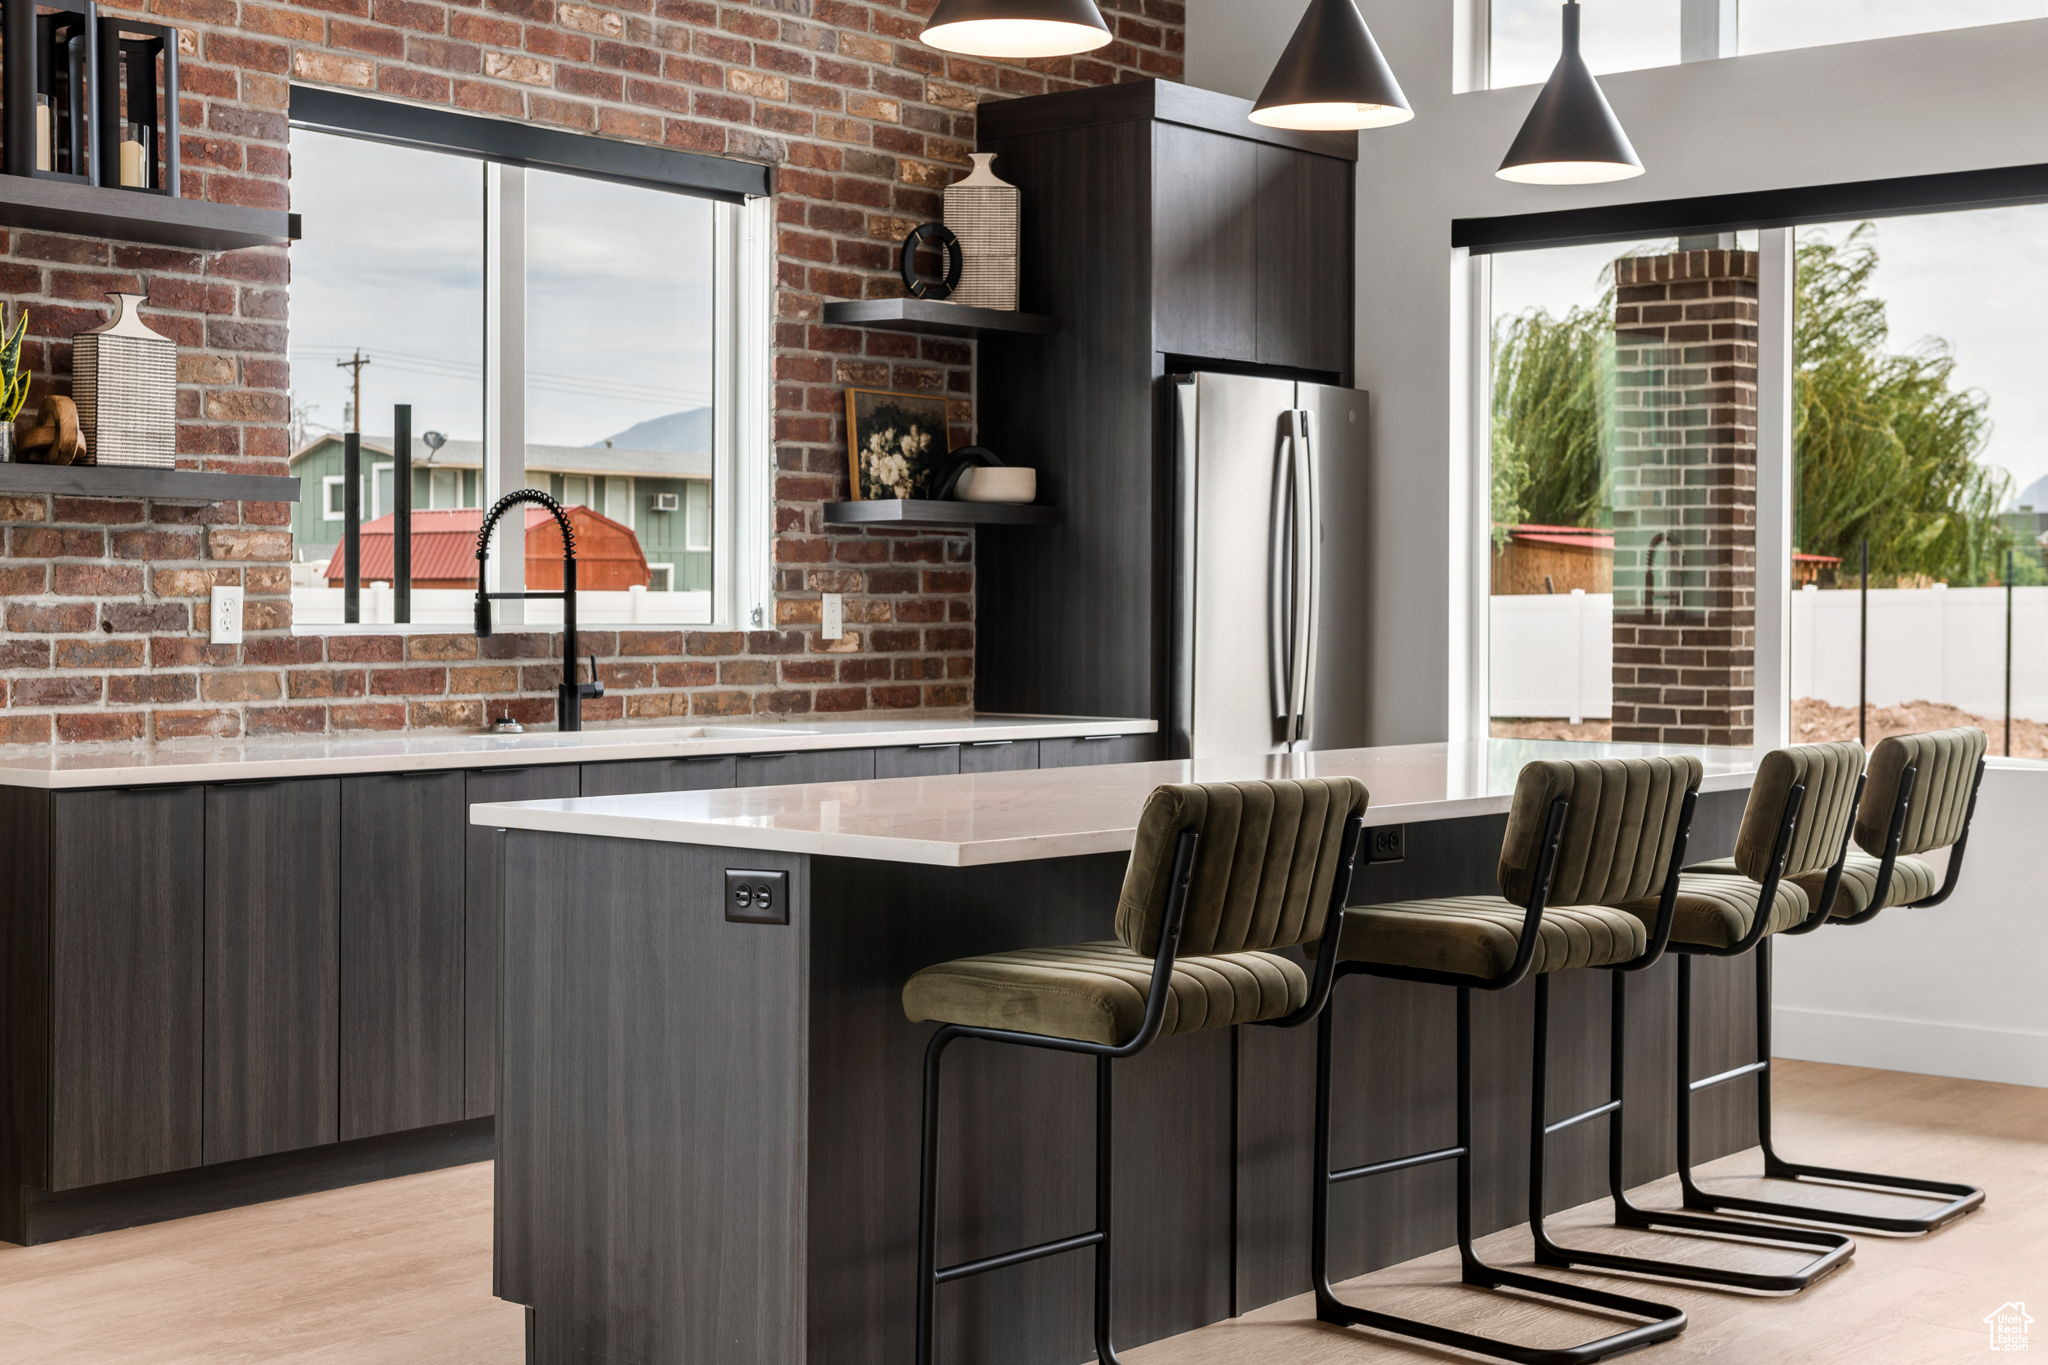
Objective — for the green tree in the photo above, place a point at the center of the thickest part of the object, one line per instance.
(1887, 442)
(1553, 386)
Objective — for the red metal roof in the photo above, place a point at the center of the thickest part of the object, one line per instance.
(608, 554)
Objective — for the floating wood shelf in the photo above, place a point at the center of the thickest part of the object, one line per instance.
(929, 512)
(128, 481)
(132, 216)
(935, 318)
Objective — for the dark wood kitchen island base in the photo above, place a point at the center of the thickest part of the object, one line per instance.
(708, 1128)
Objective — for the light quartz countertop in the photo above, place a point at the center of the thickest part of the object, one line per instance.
(183, 761)
(977, 819)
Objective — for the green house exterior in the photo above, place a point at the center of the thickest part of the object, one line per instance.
(667, 508)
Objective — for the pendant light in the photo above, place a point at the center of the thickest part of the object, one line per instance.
(1332, 76)
(1571, 136)
(1016, 29)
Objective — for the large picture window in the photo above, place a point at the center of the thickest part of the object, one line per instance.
(1630, 35)
(595, 338)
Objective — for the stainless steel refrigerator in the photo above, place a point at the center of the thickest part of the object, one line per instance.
(1269, 639)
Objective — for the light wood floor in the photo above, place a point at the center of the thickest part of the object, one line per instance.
(398, 1273)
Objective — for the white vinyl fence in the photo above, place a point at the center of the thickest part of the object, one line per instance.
(1552, 656)
(456, 607)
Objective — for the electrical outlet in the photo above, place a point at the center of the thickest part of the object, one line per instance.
(227, 616)
(1387, 844)
(835, 616)
(756, 897)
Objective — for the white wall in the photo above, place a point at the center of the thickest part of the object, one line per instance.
(1967, 99)
(1956, 990)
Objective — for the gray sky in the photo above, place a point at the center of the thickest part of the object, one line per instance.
(1947, 276)
(619, 294)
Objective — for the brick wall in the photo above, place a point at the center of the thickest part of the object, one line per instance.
(104, 599)
(1685, 498)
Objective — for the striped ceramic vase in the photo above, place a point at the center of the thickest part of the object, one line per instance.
(983, 212)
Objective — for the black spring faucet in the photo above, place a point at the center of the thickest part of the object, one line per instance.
(570, 694)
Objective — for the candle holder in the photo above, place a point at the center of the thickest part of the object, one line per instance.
(48, 62)
(137, 93)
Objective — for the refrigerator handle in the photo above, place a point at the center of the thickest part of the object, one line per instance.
(1302, 565)
(1280, 582)
(1309, 527)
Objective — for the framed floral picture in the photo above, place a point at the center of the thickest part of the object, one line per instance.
(895, 443)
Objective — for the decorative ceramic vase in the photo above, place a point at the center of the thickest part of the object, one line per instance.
(984, 213)
(124, 377)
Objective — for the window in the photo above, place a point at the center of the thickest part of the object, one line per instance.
(1629, 35)
(1919, 444)
(588, 331)
(333, 497)
(1622, 556)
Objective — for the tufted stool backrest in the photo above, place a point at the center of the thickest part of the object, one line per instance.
(1618, 832)
(1269, 854)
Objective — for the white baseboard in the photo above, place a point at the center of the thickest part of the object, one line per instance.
(1935, 1049)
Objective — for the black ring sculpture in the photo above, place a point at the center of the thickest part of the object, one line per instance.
(941, 237)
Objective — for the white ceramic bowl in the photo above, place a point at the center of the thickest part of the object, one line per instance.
(1001, 483)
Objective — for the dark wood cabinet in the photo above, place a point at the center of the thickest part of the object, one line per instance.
(1303, 203)
(999, 756)
(1091, 750)
(302, 972)
(1166, 231)
(638, 776)
(918, 760)
(273, 967)
(1205, 243)
(813, 765)
(403, 839)
(483, 899)
(126, 1016)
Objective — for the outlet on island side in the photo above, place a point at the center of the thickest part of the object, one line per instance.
(1386, 844)
(756, 897)
(227, 616)
(834, 614)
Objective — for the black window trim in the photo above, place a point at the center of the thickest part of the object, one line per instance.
(1947, 192)
(725, 179)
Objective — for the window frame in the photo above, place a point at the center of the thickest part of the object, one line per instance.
(330, 485)
(742, 385)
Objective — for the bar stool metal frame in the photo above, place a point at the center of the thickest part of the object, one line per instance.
(1664, 1322)
(1960, 1198)
(1835, 1249)
(931, 1275)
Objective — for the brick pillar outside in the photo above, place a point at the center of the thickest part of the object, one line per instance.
(1684, 490)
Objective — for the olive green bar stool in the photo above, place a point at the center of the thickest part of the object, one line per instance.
(1222, 877)
(1794, 833)
(1583, 838)
(1920, 797)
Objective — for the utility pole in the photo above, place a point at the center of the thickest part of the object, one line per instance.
(355, 411)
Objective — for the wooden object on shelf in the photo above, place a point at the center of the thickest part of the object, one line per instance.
(56, 437)
(914, 512)
(934, 317)
(160, 485)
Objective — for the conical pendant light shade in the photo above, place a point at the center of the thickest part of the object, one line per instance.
(1016, 28)
(1332, 76)
(1571, 136)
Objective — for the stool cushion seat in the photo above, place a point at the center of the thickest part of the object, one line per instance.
(1913, 879)
(1476, 936)
(1095, 992)
(1717, 905)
